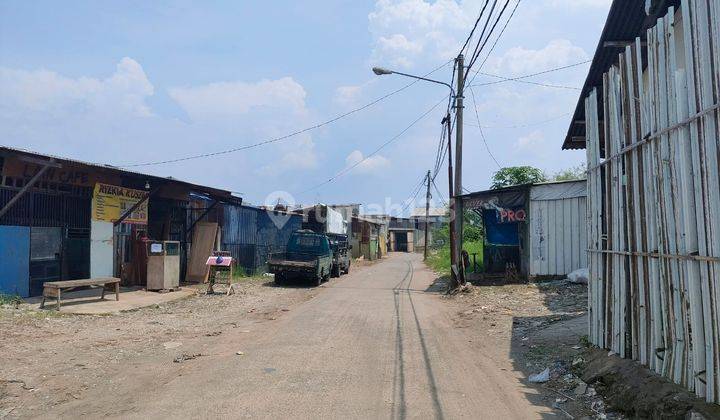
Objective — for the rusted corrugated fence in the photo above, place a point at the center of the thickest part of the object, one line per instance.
(654, 200)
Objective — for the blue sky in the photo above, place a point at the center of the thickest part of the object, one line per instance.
(128, 82)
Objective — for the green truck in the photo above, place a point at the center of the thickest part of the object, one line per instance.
(308, 257)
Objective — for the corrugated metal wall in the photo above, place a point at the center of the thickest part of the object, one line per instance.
(251, 234)
(558, 238)
(654, 201)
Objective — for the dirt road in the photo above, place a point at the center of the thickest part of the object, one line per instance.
(373, 344)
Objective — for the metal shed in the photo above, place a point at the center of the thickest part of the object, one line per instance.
(250, 234)
(558, 239)
(532, 231)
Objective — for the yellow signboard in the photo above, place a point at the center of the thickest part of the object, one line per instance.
(110, 202)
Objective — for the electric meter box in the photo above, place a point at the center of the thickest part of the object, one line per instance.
(163, 265)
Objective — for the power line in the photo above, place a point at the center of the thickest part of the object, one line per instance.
(374, 152)
(496, 41)
(440, 196)
(411, 198)
(519, 78)
(467, 41)
(474, 59)
(477, 116)
(286, 136)
(522, 125)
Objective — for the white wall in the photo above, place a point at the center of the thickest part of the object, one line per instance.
(558, 237)
(101, 249)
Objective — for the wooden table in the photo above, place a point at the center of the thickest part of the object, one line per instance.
(54, 289)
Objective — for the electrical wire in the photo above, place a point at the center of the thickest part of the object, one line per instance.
(286, 136)
(497, 20)
(467, 41)
(440, 196)
(524, 125)
(374, 152)
(519, 78)
(411, 198)
(477, 116)
(496, 41)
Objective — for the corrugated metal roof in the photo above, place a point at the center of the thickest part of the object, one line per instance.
(626, 21)
(110, 168)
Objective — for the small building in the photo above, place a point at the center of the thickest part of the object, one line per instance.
(401, 232)
(365, 238)
(383, 233)
(534, 231)
(251, 234)
(63, 219)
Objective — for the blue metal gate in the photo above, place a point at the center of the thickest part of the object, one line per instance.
(15, 260)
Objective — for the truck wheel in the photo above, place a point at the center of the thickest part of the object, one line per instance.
(279, 280)
(336, 271)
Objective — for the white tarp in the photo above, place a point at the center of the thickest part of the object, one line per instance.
(335, 222)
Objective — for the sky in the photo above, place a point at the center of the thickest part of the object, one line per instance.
(133, 82)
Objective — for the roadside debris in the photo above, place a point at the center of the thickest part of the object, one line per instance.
(240, 353)
(183, 357)
(172, 344)
(541, 377)
(579, 276)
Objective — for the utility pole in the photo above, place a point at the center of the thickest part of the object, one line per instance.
(451, 205)
(427, 215)
(458, 170)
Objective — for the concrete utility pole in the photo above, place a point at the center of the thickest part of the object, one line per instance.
(458, 170)
(427, 216)
(451, 205)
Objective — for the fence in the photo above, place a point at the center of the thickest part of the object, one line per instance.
(654, 201)
(251, 235)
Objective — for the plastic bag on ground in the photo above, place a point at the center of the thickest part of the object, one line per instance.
(580, 275)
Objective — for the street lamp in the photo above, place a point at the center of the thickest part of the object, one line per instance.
(456, 192)
(382, 71)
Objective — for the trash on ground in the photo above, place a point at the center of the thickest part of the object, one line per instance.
(541, 377)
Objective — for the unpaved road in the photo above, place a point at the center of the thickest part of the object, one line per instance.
(372, 344)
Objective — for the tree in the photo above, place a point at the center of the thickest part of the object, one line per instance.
(570, 174)
(517, 175)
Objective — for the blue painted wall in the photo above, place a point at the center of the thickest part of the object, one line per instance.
(15, 260)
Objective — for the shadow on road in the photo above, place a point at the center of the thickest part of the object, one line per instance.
(399, 411)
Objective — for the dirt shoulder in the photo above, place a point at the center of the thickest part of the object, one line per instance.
(47, 359)
(543, 325)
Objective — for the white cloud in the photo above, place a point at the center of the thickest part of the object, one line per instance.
(532, 141)
(260, 111)
(579, 3)
(519, 60)
(230, 99)
(405, 31)
(46, 92)
(372, 164)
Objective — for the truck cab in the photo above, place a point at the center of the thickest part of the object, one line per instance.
(308, 257)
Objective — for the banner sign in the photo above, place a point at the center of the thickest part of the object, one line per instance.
(110, 202)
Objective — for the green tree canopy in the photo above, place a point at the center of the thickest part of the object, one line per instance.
(517, 175)
(569, 174)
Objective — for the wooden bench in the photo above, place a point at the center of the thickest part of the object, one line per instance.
(54, 289)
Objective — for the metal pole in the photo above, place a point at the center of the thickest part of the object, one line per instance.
(427, 215)
(458, 170)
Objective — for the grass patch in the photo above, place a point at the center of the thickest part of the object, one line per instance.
(439, 258)
(10, 299)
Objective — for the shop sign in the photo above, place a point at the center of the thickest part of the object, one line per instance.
(110, 202)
